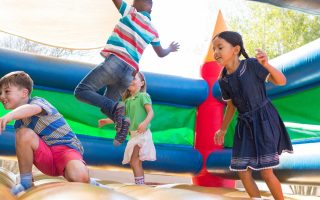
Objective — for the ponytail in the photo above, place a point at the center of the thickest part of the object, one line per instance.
(244, 53)
(126, 95)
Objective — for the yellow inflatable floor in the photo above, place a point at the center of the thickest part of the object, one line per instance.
(47, 188)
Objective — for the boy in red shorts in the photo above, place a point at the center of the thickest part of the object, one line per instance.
(43, 137)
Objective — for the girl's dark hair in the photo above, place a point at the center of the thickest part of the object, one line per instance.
(234, 39)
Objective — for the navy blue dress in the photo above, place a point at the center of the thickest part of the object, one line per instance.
(260, 135)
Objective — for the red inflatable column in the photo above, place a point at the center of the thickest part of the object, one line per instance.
(209, 118)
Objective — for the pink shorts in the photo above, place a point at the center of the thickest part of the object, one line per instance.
(52, 160)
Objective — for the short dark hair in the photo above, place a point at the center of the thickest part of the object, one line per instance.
(17, 78)
(144, 1)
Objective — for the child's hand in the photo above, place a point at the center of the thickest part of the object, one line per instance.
(142, 128)
(219, 137)
(3, 122)
(262, 57)
(174, 46)
(103, 122)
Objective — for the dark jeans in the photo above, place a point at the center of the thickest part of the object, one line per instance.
(115, 75)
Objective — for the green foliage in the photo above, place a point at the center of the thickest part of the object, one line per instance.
(276, 30)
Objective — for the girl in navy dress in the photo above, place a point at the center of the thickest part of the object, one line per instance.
(260, 135)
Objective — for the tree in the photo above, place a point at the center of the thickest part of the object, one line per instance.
(25, 45)
(276, 30)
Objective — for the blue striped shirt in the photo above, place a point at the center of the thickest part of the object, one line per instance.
(50, 125)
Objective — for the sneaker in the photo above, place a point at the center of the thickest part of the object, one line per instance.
(17, 189)
(118, 115)
(122, 134)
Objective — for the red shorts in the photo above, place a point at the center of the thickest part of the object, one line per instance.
(52, 160)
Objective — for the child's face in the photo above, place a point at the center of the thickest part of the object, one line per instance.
(223, 51)
(136, 84)
(13, 96)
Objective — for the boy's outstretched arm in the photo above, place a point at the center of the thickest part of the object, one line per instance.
(20, 112)
(161, 52)
(117, 3)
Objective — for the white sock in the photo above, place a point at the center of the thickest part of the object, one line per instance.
(95, 183)
(139, 180)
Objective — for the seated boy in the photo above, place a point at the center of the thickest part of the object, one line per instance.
(43, 137)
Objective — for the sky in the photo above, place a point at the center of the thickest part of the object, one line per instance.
(191, 24)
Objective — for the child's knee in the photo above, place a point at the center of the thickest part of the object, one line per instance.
(25, 135)
(77, 93)
(77, 173)
(244, 174)
(267, 174)
(78, 176)
(135, 162)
